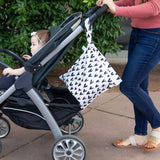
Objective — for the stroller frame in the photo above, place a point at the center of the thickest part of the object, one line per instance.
(24, 82)
(32, 93)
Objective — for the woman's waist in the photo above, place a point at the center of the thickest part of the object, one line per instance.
(146, 23)
(149, 30)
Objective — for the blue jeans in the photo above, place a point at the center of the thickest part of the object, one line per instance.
(143, 56)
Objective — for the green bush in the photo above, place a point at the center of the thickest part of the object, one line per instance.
(21, 17)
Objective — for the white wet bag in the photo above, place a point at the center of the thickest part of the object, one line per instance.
(91, 74)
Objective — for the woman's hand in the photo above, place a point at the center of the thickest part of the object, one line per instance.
(109, 3)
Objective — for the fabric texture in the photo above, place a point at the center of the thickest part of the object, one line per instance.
(91, 74)
(6, 81)
(145, 15)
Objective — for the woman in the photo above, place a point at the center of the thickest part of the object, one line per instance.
(143, 56)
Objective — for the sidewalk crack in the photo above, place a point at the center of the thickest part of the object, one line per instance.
(115, 114)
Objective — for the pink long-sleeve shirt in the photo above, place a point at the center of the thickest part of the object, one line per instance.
(145, 15)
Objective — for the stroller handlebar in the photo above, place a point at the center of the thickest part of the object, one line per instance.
(6, 51)
(92, 10)
(94, 13)
(4, 65)
(101, 10)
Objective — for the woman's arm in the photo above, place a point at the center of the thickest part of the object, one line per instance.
(124, 2)
(144, 10)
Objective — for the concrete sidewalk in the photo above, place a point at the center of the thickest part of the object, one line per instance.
(108, 118)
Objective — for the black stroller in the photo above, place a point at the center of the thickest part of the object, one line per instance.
(24, 104)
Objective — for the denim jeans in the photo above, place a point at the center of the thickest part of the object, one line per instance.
(143, 56)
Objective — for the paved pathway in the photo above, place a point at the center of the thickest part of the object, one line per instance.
(108, 118)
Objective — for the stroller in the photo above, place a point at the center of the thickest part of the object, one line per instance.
(25, 104)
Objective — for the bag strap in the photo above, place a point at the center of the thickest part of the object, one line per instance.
(88, 27)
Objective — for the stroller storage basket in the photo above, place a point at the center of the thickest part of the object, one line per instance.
(24, 113)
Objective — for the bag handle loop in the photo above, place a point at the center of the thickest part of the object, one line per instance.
(88, 27)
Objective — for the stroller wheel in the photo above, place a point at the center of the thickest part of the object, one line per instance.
(69, 148)
(74, 126)
(4, 127)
